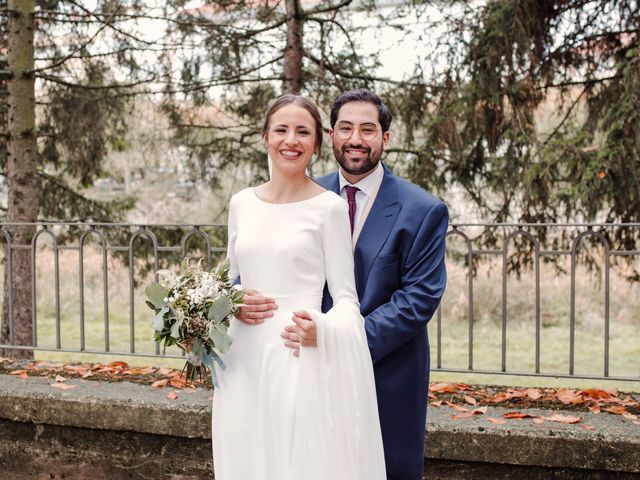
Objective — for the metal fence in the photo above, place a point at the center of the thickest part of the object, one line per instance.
(65, 282)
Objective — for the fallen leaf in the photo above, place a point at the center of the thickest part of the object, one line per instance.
(172, 395)
(62, 386)
(616, 410)
(17, 372)
(538, 420)
(23, 376)
(436, 403)
(442, 388)
(568, 396)
(457, 408)
(595, 393)
(470, 400)
(118, 364)
(518, 415)
(477, 411)
(499, 398)
(497, 421)
(533, 393)
(630, 416)
(160, 383)
(164, 371)
(594, 408)
(568, 419)
(587, 427)
(60, 379)
(177, 383)
(516, 393)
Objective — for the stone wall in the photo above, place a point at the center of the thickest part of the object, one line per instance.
(101, 430)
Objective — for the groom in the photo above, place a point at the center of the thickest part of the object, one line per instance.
(399, 236)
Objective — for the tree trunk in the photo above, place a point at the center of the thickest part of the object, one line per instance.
(293, 52)
(22, 176)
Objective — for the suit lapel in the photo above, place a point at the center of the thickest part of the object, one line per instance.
(330, 182)
(376, 228)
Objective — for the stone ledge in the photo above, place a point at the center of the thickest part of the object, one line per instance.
(124, 411)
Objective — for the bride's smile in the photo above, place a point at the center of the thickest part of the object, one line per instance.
(291, 138)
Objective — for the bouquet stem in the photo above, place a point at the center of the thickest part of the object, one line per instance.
(193, 372)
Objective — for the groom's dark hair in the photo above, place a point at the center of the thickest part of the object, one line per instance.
(362, 95)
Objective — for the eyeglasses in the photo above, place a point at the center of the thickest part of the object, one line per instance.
(367, 131)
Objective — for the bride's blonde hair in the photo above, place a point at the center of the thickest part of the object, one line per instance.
(305, 103)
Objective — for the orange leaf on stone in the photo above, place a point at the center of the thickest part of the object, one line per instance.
(595, 393)
(437, 403)
(470, 400)
(538, 420)
(587, 427)
(177, 382)
(533, 393)
(160, 383)
(60, 379)
(630, 416)
(442, 388)
(17, 372)
(164, 371)
(616, 410)
(119, 364)
(516, 393)
(594, 408)
(568, 396)
(568, 419)
(477, 411)
(172, 395)
(499, 398)
(517, 415)
(457, 408)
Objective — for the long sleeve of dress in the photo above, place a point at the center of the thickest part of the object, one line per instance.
(336, 378)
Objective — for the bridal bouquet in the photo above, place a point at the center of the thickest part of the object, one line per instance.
(192, 311)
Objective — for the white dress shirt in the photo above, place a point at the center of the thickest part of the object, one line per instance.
(367, 186)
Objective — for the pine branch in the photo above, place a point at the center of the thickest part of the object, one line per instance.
(590, 81)
(115, 86)
(81, 47)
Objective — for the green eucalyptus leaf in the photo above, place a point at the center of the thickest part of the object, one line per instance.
(156, 294)
(158, 320)
(196, 348)
(175, 329)
(219, 310)
(220, 338)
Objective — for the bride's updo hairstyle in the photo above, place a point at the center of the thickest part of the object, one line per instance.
(301, 101)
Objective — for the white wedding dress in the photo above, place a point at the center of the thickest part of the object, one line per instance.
(276, 416)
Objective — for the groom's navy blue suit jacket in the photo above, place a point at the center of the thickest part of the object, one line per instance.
(400, 277)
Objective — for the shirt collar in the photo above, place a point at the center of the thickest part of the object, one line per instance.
(368, 184)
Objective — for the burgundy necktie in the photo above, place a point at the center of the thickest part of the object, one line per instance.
(351, 200)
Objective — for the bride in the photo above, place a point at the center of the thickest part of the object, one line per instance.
(277, 416)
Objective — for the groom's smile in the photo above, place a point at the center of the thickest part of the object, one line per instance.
(357, 139)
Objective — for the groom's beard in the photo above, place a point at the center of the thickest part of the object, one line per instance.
(360, 166)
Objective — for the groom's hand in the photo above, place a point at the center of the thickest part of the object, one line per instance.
(256, 307)
(302, 333)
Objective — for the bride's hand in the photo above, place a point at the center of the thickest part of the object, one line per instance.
(302, 333)
(256, 307)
